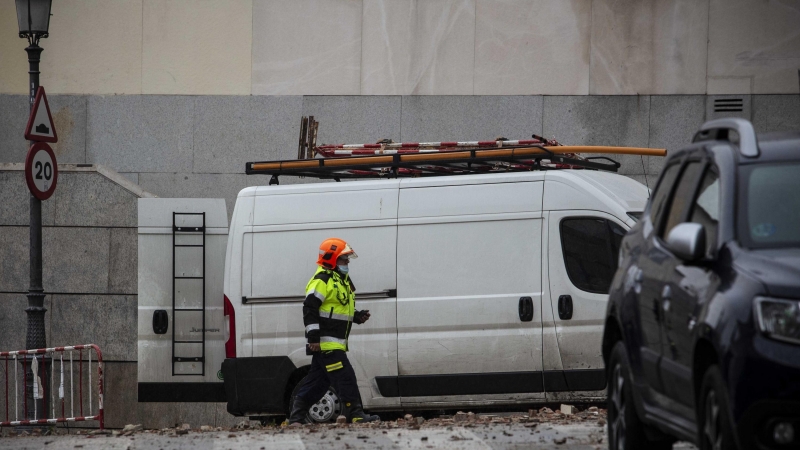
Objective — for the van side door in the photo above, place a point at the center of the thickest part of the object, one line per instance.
(583, 249)
(469, 294)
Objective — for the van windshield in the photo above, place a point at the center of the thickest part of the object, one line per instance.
(770, 212)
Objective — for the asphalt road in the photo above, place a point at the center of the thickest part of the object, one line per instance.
(479, 437)
(542, 429)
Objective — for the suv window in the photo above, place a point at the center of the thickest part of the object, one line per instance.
(705, 210)
(591, 247)
(770, 211)
(682, 197)
(662, 192)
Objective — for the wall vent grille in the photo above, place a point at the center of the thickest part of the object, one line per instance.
(728, 104)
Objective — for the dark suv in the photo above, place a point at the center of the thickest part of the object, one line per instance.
(702, 334)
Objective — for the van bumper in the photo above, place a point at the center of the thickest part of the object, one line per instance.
(257, 386)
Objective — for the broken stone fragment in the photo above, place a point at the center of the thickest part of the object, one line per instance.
(460, 417)
(185, 426)
(568, 410)
(408, 417)
(341, 420)
(132, 428)
(545, 410)
(206, 428)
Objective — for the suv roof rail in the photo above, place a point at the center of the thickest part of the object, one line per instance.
(717, 130)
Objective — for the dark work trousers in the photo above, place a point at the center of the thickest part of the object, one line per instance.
(329, 368)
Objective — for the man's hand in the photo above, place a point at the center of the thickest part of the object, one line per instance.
(314, 347)
(361, 317)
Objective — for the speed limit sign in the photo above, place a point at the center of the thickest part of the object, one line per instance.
(41, 171)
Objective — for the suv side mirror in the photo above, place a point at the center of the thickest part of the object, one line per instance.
(687, 241)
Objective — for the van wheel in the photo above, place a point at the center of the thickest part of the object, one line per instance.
(327, 409)
(625, 430)
(716, 432)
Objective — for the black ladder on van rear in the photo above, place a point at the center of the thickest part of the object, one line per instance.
(188, 353)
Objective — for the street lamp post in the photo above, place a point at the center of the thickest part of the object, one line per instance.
(33, 17)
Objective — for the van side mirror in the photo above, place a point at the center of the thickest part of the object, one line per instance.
(687, 241)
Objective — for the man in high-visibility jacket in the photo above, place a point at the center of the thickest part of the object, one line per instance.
(328, 314)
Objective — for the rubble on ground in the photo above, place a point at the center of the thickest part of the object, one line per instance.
(564, 415)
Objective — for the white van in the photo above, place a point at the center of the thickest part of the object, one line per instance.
(484, 290)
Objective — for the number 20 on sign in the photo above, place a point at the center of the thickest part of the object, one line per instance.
(41, 171)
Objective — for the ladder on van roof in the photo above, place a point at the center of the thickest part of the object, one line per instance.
(387, 159)
(188, 283)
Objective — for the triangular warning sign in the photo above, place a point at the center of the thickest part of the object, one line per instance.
(40, 124)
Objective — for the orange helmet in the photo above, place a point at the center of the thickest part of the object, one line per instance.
(331, 249)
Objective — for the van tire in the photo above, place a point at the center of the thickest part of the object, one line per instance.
(626, 431)
(314, 418)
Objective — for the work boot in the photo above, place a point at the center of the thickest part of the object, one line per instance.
(355, 413)
(299, 414)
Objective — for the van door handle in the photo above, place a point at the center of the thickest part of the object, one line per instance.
(565, 307)
(525, 309)
(160, 321)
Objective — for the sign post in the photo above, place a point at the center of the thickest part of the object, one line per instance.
(41, 175)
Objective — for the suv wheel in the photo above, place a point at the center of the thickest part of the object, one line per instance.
(625, 430)
(716, 432)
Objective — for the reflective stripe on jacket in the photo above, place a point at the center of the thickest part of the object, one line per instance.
(328, 309)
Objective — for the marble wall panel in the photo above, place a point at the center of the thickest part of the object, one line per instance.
(69, 117)
(14, 254)
(232, 130)
(354, 119)
(208, 51)
(649, 47)
(760, 40)
(600, 120)
(203, 185)
(14, 113)
(306, 47)
(106, 320)
(15, 201)
(123, 275)
(532, 47)
(776, 113)
(674, 119)
(89, 199)
(140, 133)
(75, 259)
(13, 59)
(15, 322)
(95, 47)
(464, 118)
(418, 47)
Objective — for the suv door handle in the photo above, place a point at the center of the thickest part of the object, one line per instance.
(525, 309)
(565, 307)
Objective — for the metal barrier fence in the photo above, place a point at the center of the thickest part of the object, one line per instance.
(70, 368)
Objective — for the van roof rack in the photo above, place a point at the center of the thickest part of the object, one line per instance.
(387, 159)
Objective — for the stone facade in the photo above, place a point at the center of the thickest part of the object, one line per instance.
(412, 47)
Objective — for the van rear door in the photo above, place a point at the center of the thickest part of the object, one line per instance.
(181, 254)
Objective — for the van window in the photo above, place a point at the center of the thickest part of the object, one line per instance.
(591, 246)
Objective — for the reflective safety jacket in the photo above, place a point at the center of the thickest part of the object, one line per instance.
(328, 309)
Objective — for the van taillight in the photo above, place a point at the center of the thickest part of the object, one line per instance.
(230, 329)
